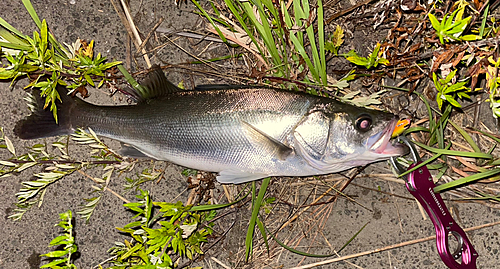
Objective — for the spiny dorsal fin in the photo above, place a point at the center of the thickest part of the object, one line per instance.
(208, 87)
(156, 85)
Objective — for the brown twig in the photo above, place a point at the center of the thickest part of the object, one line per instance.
(141, 47)
(345, 11)
(107, 188)
(129, 24)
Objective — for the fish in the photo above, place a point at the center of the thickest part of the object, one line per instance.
(243, 133)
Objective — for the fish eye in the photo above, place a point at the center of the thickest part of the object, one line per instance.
(363, 123)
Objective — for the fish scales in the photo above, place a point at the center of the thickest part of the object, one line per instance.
(204, 127)
(242, 133)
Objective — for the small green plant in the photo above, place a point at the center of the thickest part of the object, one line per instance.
(62, 259)
(372, 61)
(337, 39)
(50, 62)
(146, 175)
(452, 26)
(160, 240)
(448, 91)
(61, 165)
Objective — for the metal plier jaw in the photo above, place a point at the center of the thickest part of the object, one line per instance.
(420, 184)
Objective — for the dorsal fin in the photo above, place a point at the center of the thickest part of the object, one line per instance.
(155, 85)
(208, 87)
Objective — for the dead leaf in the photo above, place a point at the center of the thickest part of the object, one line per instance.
(439, 59)
(458, 171)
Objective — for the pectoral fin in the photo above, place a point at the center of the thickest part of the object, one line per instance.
(262, 139)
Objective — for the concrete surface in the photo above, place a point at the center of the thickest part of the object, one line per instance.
(24, 240)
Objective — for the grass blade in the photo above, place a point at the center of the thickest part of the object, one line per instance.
(483, 23)
(236, 14)
(255, 215)
(466, 137)
(315, 255)
(131, 80)
(31, 10)
(209, 19)
(466, 180)
(423, 163)
(7, 36)
(486, 134)
(15, 46)
(455, 152)
(321, 40)
(263, 232)
(11, 28)
(352, 238)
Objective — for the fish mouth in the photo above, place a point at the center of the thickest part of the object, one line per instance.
(381, 145)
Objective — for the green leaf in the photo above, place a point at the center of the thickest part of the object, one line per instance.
(54, 264)
(55, 254)
(435, 23)
(356, 59)
(44, 37)
(58, 240)
(7, 74)
(89, 80)
(470, 37)
(450, 76)
(483, 23)
(452, 101)
(131, 251)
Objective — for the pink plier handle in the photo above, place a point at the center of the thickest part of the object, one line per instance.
(420, 184)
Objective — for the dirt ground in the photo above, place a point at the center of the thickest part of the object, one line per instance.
(391, 219)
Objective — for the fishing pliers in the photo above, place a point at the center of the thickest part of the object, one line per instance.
(421, 185)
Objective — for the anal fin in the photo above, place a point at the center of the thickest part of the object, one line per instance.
(132, 152)
(238, 177)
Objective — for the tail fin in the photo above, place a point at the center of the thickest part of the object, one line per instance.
(41, 122)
